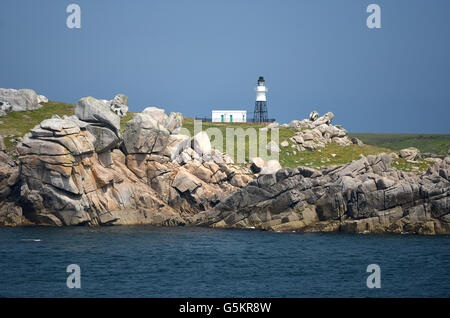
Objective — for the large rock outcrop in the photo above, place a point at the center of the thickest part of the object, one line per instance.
(315, 132)
(186, 172)
(92, 110)
(80, 170)
(75, 170)
(366, 195)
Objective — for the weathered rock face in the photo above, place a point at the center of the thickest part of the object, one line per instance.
(66, 182)
(10, 211)
(13, 100)
(145, 135)
(316, 132)
(151, 131)
(97, 112)
(365, 195)
(119, 105)
(9, 175)
(96, 117)
(73, 171)
(409, 153)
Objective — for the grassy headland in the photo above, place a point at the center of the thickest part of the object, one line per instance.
(426, 143)
(17, 124)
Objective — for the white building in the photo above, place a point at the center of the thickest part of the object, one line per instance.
(229, 116)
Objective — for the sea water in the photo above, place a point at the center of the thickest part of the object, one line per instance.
(147, 261)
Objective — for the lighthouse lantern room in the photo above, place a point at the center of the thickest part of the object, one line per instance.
(260, 114)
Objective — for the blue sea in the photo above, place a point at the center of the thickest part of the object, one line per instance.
(147, 261)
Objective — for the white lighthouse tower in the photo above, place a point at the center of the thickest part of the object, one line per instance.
(260, 114)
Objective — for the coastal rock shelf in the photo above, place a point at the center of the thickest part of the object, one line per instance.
(85, 170)
(75, 172)
(364, 196)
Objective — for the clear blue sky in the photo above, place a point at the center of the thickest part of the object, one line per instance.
(196, 55)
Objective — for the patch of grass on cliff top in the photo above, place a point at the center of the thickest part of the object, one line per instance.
(289, 157)
(284, 133)
(331, 154)
(417, 166)
(17, 124)
(426, 143)
(125, 119)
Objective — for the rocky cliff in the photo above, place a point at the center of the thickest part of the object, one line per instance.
(80, 170)
(86, 170)
(366, 195)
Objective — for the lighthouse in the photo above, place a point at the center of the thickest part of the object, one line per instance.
(260, 113)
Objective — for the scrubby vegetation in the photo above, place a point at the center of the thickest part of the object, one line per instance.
(426, 143)
(334, 154)
(16, 124)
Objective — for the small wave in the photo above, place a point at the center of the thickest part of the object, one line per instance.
(31, 240)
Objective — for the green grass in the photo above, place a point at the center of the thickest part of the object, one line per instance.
(426, 143)
(331, 154)
(124, 120)
(284, 133)
(290, 157)
(419, 165)
(17, 124)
